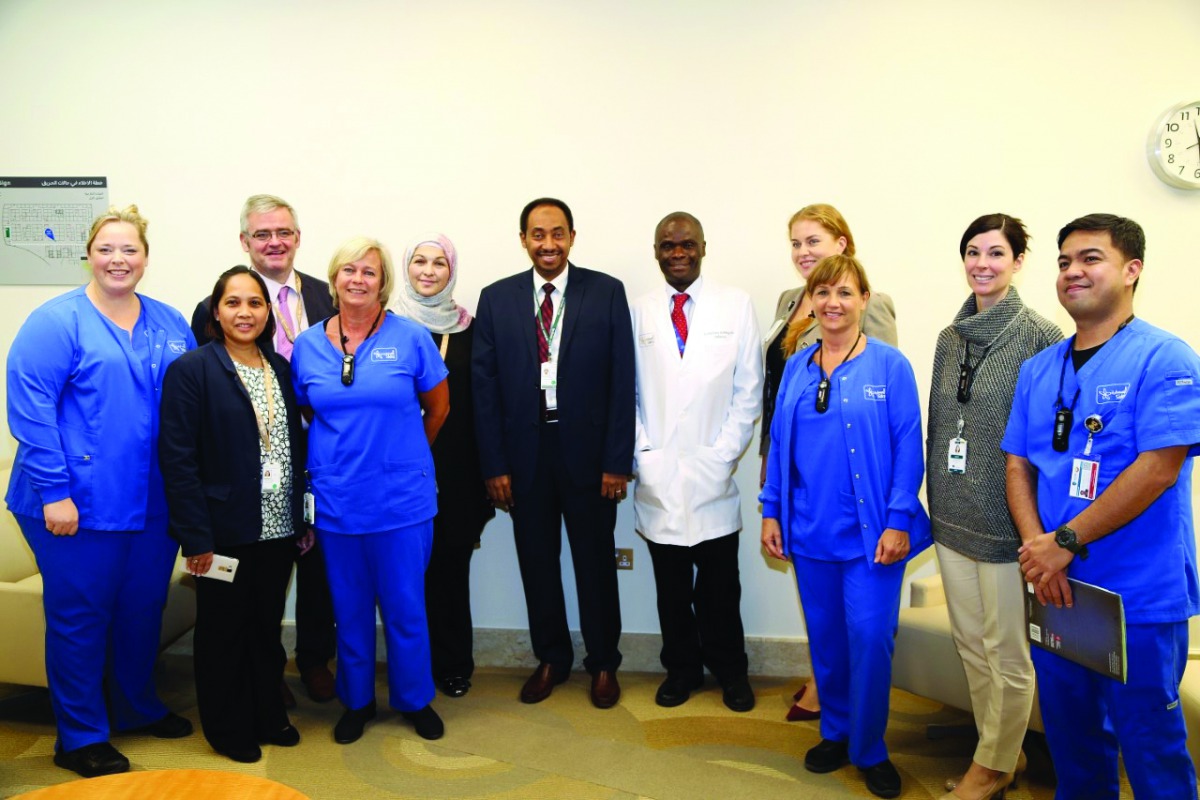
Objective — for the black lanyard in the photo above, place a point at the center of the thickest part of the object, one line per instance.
(348, 358)
(823, 386)
(966, 372)
(1064, 415)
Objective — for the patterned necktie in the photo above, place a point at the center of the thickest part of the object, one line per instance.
(679, 320)
(283, 345)
(545, 320)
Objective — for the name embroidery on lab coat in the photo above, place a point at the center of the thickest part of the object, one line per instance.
(876, 393)
(384, 354)
(1112, 392)
(177, 346)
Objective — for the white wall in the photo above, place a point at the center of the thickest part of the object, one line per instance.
(394, 118)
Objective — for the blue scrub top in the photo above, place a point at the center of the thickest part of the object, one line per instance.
(83, 405)
(1144, 384)
(879, 461)
(369, 464)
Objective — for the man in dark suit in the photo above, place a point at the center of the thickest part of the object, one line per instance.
(554, 409)
(271, 237)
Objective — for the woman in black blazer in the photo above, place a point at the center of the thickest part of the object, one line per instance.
(231, 453)
(427, 297)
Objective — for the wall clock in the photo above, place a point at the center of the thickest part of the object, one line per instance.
(1174, 146)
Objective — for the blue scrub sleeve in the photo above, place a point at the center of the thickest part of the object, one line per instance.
(908, 446)
(1016, 433)
(299, 371)
(1168, 400)
(39, 365)
(431, 370)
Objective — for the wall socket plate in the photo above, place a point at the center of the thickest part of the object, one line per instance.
(624, 558)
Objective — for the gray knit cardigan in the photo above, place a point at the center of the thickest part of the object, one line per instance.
(969, 511)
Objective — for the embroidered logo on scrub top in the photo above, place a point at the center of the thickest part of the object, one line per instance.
(877, 393)
(177, 346)
(384, 354)
(1111, 392)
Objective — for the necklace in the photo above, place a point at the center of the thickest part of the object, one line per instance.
(823, 386)
(348, 357)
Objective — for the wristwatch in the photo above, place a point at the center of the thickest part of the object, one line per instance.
(1065, 538)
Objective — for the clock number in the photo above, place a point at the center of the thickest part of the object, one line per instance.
(1171, 158)
(1186, 115)
(1173, 127)
(1166, 143)
(1181, 170)
(1198, 174)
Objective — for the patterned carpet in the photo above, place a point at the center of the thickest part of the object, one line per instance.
(561, 749)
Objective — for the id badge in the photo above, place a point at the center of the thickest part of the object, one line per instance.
(310, 508)
(956, 456)
(1085, 475)
(271, 477)
(550, 374)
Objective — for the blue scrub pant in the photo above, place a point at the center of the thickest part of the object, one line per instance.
(103, 593)
(1088, 716)
(387, 569)
(851, 610)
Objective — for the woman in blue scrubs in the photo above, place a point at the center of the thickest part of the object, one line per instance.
(377, 389)
(848, 518)
(84, 379)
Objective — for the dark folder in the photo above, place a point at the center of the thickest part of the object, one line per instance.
(1091, 633)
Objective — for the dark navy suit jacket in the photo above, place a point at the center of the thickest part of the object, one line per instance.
(596, 399)
(318, 306)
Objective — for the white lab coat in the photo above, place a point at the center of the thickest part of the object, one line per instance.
(695, 413)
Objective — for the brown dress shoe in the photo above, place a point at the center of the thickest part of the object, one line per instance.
(319, 683)
(605, 689)
(541, 683)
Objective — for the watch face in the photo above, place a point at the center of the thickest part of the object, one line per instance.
(1064, 538)
(1174, 146)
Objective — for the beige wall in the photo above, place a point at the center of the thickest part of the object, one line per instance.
(393, 118)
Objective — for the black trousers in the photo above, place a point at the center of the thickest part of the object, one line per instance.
(538, 514)
(237, 653)
(699, 608)
(448, 596)
(316, 636)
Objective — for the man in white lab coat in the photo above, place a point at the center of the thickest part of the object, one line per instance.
(699, 389)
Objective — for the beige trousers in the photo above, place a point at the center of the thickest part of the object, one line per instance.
(987, 618)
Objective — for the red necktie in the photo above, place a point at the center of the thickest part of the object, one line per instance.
(679, 320)
(545, 320)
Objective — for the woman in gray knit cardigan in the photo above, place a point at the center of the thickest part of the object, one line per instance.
(975, 370)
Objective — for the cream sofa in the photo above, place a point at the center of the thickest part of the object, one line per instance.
(22, 623)
(926, 662)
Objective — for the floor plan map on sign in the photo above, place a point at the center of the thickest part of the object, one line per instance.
(45, 222)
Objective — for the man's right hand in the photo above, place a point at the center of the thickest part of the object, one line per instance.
(499, 491)
(62, 517)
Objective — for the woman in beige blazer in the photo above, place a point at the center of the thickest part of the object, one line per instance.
(816, 231)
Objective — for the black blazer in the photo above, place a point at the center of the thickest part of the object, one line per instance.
(595, 379)
(208, 450)
(314, 292)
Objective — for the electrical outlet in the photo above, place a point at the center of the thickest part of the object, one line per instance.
(624, 558)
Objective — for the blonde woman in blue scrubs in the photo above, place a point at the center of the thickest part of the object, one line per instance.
(84, 378)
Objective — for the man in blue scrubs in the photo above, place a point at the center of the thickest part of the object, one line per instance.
(1099, 441)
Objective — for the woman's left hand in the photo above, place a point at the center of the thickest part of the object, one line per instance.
(892, 547)
(200, 563)
(306, 541)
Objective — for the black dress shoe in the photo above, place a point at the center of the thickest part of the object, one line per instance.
(882, 779)
(350, 727)
(426, 721)
(172, 726)
(738, 695)
(827, 756)
(676, 690)
(288, 737)
(241, 753)
(542, 682)
(93, 760)
(454, 686)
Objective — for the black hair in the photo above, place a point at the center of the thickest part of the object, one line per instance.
(1011, 228)
(1127, 236)
(213, 328)
(546, 201)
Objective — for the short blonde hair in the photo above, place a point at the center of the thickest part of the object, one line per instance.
(127, 214)
(352, 250)
(826, 272)
(829, 218)
(265, 204)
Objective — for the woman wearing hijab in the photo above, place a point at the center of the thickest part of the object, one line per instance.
(463, 508)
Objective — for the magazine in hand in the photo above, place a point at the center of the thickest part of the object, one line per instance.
(1091, 633)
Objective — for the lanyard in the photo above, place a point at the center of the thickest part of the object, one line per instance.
(1064, 415)
(445, 345)
(264, 430)
(537, 316)
(822, 404)
(300, 317)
